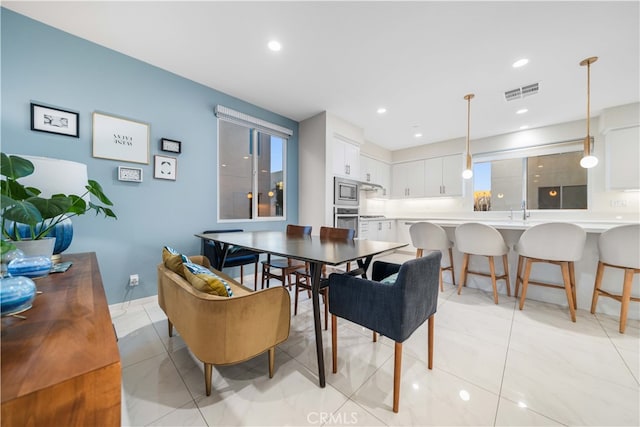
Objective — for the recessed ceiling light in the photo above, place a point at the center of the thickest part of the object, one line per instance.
(523, 127)
(382, 110)
(520, 63)
(418, 135)
(274, 45)
(522, 111)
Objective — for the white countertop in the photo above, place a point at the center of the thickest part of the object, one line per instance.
(590, 226)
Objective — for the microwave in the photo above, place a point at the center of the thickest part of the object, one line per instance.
(345, 192)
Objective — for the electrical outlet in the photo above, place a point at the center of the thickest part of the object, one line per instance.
(134, 280)
(618, 203)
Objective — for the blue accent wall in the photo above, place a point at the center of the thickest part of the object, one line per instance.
(45, 65)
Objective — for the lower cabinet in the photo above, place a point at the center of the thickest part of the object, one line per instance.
(382, 230)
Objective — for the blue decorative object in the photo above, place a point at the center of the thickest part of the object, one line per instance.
(63, 233)
(37, 266)
(16, 294)
(7, 258)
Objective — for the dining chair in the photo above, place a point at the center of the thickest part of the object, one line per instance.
(619, 247)
(286, 265)
(236, 256)
(303, 278)
(474, 238)
(427, 236)
(558, 243)
(398, 300)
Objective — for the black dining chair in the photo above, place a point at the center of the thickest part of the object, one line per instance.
(236, 256)
(398, 300)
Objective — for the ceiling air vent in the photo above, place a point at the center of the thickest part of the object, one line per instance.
(510, 95)
(521, 92)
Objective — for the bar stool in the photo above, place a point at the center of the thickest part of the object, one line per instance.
(558, 243)
(619, 247)
(474, 238)
(431, 237)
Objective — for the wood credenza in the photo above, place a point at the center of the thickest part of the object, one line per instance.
(61, 366)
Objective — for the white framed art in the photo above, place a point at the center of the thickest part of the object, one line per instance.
(165, 167)
(117, 138)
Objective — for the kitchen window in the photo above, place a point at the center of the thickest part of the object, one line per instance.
(548, 177)
(251, 168)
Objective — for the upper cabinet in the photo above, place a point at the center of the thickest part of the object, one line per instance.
(346, 159)
(407, 179)
(622, 154)
(436, 177)
(376, 172)
(443, 176)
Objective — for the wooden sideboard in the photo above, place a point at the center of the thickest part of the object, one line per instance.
(61, 366)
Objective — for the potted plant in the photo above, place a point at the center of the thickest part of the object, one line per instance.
(23, 205)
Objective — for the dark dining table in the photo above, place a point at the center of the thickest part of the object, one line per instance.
(311, 249)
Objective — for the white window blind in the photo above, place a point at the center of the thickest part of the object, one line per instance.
(242, 119)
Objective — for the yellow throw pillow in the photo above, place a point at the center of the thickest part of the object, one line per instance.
(205, 281)
(172, 260)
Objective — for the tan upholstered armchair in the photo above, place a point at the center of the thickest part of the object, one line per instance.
(224, 330)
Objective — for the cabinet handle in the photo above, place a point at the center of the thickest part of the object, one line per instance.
(368, 177)
(409, 223)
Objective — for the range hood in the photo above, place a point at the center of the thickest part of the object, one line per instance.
(368, 186)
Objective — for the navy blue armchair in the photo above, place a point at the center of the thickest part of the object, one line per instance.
(394, 309)
(236, 257)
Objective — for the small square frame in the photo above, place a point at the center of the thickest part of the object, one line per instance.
(165, 167)
(126, 173)
(54, 120)
(170, 145)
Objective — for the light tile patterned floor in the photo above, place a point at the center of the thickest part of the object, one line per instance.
(493, 365)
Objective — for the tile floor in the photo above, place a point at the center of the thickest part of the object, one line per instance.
(493, 365)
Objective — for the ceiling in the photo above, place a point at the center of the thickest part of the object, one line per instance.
(416, 59)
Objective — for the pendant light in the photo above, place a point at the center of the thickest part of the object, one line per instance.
(468, 172)
(588, 161)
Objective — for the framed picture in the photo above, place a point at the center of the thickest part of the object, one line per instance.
(171, 146)
(165, 167)
(54, 120)
(122, 139)
(129, 174)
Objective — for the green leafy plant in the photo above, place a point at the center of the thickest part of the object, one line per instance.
(22, 204)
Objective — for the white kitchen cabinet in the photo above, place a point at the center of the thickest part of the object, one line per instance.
(382, 230)
(346, 159)
(384, 175)
(407, 179)
(622, 154)
(366, 169)
(443, 176)
(376, 172)
(403, 235)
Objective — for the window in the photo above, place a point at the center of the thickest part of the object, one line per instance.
(251, 170)
(545, 181)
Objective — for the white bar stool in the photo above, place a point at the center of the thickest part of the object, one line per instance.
(619, 247)
(431, 237)
(474, 238)
(558, 243)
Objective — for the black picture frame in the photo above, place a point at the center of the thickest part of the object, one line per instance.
(170, 145)
(54, 120)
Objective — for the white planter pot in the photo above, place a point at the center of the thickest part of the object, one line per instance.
(40, 247)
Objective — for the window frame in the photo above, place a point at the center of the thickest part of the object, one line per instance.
(524, 153)
(254, 142)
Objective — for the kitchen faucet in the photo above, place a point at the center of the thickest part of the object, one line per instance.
(525, 214)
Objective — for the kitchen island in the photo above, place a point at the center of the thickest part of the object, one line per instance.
(512, 229)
